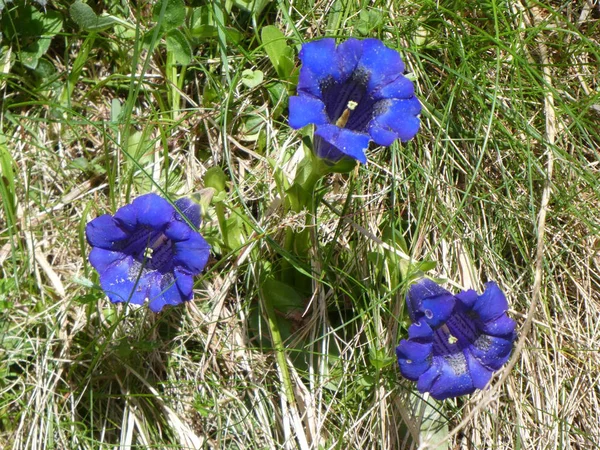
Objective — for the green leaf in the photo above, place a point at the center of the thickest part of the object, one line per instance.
(203, 23)
(253, 6)
(369, 21)
(252, 78)
(281, 296)
(216, 179)
(174, 14)
(87, 19)
(178, 44)
(35, 24)
(279, 52)
(7, 183)
(433, 429)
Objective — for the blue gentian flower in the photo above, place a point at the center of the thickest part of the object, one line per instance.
(353, 93)
(148, 252)
(457, 341)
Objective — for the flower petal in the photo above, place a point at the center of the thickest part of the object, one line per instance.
(117, 281)
(305, 109)
(429, 377)
(157, 303)
(382, 63)
(349, 53)
(491, 304)
(350, 143)
(185, 283)
(467, 298)
(420, 331)
(479, 373)
(101, 258)
(192, 253)
(190, 209)
(400, 88)
(153, 211)
(319, 65)
(492, 351)
(178, 231)
(454, 378)
(397, 121)
(414, 358)
(126, 217)
(501, 326)
(104, 232)
(429, 300)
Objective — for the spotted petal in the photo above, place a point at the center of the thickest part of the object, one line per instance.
(305, 110)
(382, 63)
(398, 121)
(349, 143)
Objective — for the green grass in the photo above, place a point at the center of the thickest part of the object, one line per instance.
(510, 131)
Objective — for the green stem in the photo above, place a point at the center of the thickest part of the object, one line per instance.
(280, 353)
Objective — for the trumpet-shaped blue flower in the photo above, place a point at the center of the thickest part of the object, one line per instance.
(354, 92)
(148, 252)
(457, 341)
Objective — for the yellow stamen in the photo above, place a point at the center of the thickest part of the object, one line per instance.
(451, 339)
(343, 120)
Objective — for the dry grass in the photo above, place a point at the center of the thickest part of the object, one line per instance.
(510, 135)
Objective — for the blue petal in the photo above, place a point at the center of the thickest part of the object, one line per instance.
(148, 287)
(479, 373)
(190, 209)
(153, 211)
(117, 283)
(381, 62)
(437, 310)
(419, 291)
(178, 231)
(492, 351)
(350, 143)
(414, 358)
(319, 64)
(454, 378)
(157, 303)
(397, 121)
(467, 298)
(501, 326)
(429, 377)
(420, 331)
(192, 253)
(491, 304)
(101, 258)
(185, 283)
(126, 217)
(305, 109)
(400, 88)
(348, 56)
(104, 232)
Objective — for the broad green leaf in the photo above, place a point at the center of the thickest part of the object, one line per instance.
(86, 18)
(281, 296)
(216, 179)
(253, 6)
(180, 46)
(252, 78)
(41, 28)
(433, 428)
(369, 21)
(278, 51)
(203, 23)
(174, 14)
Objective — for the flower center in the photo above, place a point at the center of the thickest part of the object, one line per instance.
(458, 333)
(343, 120)
(151, 248)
